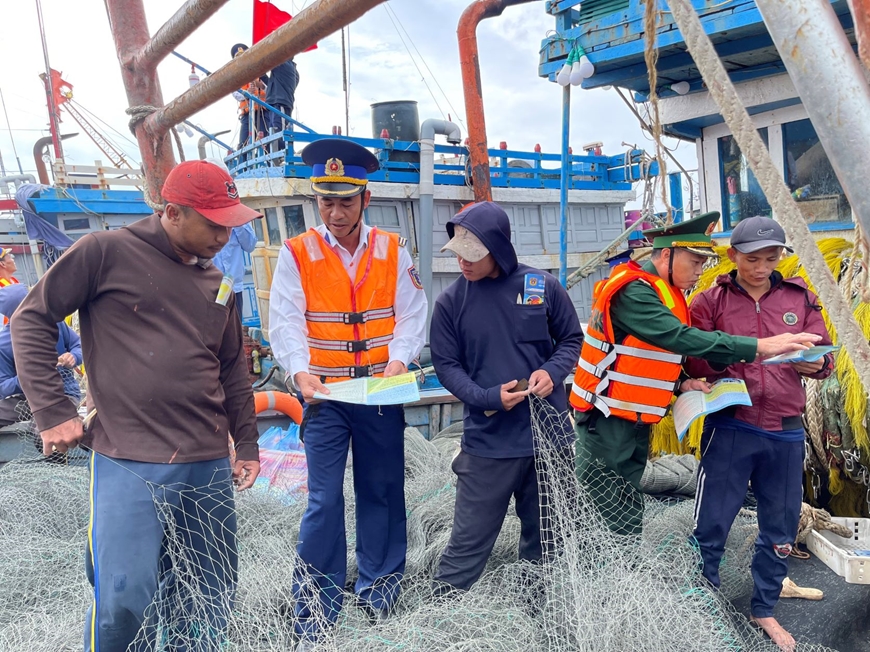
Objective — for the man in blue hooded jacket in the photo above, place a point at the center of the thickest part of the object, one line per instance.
(69, 355)
(500, 323)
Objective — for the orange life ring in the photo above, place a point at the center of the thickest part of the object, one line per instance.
(280, 401)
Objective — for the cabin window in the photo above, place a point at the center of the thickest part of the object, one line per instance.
(294, 220)
(810, 177)
(272, 226)
(384, 216)
(741, 194)
(78, 224)
(258, 229)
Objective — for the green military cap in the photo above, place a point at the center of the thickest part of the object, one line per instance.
(692, 235)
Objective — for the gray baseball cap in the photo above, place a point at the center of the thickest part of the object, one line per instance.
(756, 233)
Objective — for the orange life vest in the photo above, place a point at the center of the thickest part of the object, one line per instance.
(350, 321)
(631, 379)
(254, 89)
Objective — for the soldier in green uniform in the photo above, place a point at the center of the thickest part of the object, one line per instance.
(631, 364)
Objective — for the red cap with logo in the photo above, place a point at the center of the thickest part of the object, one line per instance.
(208, 189)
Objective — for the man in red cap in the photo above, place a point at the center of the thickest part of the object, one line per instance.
(168, 384)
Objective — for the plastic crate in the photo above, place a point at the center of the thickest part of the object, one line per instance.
(848, 558)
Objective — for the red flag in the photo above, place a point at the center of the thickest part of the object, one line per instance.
(268, 18)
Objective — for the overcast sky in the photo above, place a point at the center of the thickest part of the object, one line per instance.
(521, 108)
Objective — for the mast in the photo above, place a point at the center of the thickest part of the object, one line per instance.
(49, 91)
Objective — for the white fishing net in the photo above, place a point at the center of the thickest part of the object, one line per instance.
(597, 592)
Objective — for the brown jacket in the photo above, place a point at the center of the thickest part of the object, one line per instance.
(165, 363)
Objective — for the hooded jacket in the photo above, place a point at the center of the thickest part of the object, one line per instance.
(788, 307)
(483, 336)
(67, 342)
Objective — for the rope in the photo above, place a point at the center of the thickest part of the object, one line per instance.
(651, 57)
(137, 115)
(815, 423)
(772, 183)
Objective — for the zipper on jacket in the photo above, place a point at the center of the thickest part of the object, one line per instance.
(760, 335)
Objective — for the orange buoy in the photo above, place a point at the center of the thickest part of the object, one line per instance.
(280, 401)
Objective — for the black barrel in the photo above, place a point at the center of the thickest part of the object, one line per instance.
(402, 121)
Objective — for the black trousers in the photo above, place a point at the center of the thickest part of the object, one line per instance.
(483, 491)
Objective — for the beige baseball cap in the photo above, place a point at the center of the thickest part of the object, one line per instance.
(466, 245)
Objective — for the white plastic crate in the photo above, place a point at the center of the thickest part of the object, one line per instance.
(848, 558)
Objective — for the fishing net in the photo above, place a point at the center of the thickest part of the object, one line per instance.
(595, 591)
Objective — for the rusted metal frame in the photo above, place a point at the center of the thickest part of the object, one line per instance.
(469, 62)
(312, 25)
(861, 15)
(175, 30)
(130, 32)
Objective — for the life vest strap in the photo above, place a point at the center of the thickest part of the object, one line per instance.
(349, 317)
(352, 372)
(606, 376)
(352, 346)
(638, 381)
(605, 404)
(634, 352)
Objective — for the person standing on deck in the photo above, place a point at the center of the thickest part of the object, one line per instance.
(500, 322)
(250, 113)
(231, 260)
(168, 377)
(281, 93)
(347, 302)
(631, 364)
(761, 444)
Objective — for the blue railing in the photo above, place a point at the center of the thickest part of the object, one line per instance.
(277, 155)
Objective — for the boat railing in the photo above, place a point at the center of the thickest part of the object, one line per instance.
(95, 176)
(277, 155)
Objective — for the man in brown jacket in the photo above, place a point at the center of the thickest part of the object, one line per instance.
(168, 379)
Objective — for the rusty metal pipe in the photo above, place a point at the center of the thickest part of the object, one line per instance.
(130, 32)
(181, 25)
(317, 22)
(38, 150)
(861, 14)
(469, 62)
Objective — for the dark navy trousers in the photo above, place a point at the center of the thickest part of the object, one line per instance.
(161, 555)
(731, 460)
(375, 435)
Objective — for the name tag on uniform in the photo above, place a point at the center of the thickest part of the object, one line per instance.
(533, 290)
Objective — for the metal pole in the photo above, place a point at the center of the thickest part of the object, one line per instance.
(469, 62)
(182, 24)
(563, 190)
(312, 25)
(832, 87)
(861, 14)
(130, 32)
(675, 192)
(49, 92)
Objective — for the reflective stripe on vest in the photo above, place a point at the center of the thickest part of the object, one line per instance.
(631, 379)
(350, 321)
(604, 404)
(343, 373)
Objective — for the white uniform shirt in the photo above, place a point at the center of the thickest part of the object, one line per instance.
(288, 332)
